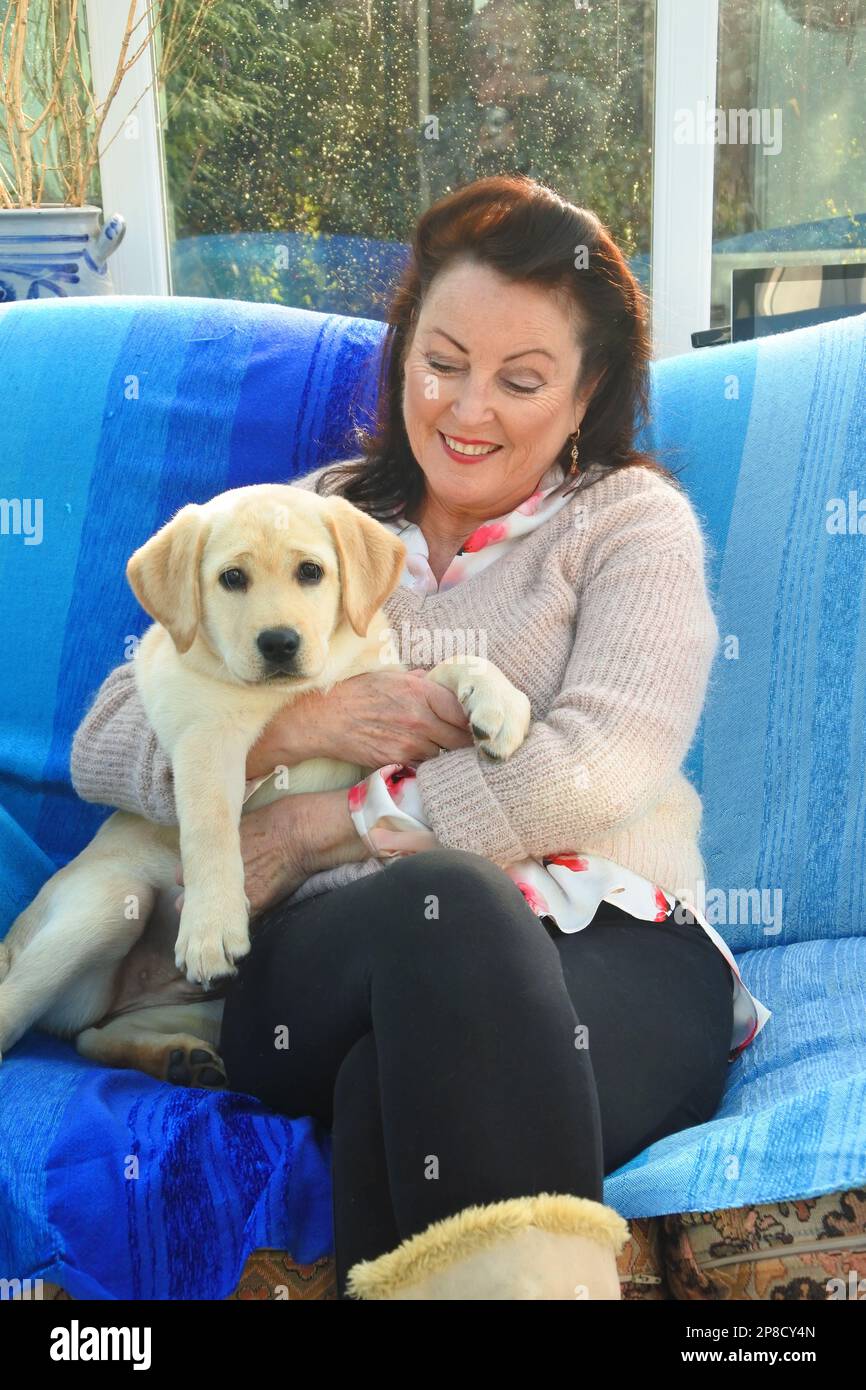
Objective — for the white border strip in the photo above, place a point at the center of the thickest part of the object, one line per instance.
(682, 229)
(131, 167)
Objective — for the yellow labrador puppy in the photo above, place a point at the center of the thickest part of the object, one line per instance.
(258, 595)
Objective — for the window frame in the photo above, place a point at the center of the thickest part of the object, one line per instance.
(687, 41)
(131, 168)
(686, 50)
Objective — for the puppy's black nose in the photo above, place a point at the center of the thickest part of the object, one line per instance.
(278, 644)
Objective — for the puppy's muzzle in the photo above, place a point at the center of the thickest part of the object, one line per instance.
(279, 647)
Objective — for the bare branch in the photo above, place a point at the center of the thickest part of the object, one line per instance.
(67, 109)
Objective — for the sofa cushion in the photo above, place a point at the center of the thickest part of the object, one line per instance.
(769, 439)
(792, 1120)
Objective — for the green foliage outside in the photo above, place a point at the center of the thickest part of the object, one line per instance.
(303, 117)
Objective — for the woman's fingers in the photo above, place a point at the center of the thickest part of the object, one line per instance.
(445, 705)
(446, 725)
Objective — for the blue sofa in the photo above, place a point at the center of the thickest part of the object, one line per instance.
(115, 411)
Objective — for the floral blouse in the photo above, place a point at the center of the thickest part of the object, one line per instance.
(566, 888)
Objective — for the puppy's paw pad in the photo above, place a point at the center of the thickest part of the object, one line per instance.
(195, 1064)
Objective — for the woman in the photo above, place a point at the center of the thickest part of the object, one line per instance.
(490, 1025)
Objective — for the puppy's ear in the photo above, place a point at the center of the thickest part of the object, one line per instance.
(164, 574)
(371, 561)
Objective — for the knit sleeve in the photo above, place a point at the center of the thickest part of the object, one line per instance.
(116, 758)
(617, 732)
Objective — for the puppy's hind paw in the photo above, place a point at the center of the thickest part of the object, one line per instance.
(191, 1062)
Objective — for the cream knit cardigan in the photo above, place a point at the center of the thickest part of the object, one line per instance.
(602, 617)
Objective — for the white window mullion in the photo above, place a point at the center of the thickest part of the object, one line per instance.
(131, 163)
(682, 230)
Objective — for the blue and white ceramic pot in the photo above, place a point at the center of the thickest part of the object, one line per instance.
(56, 251)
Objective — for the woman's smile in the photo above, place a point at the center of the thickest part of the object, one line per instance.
(467, 451)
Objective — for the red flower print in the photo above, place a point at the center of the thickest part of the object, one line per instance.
(484, 536)
(453, 575)
(394, 777)
(663, 909)
(536, 900)
(531, 505)
(737, 1050)
(575, 862)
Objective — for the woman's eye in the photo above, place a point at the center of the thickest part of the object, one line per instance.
(512, 385)
(524, 390)
(233, 579)
(310, 572)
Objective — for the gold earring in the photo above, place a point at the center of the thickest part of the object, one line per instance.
(575, 466)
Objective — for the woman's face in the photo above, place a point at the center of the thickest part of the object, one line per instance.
(492, 363)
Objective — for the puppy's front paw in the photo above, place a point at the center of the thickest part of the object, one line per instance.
(212, 937)
(499, 714)
(500, 721)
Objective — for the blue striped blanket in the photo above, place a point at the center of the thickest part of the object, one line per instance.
(116, 411)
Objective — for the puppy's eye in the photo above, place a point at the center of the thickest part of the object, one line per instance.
(309, 572)
(233, 579)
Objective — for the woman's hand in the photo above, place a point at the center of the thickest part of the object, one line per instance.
(292, 736)
(283, 844)
(276, 852)
(382, 717)
(372, 719)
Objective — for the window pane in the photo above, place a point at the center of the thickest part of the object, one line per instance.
(304, 137)
(796, 193)
(53, 165)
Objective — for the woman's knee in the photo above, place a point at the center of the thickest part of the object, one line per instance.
(469, 900)
(452, 881)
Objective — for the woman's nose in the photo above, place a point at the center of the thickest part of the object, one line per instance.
(471, 402)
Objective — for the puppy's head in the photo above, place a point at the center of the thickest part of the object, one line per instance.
(265, 575)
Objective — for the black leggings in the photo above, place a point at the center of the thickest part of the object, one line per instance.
(463, 1053)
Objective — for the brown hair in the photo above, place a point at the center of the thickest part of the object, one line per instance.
(527, 232)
